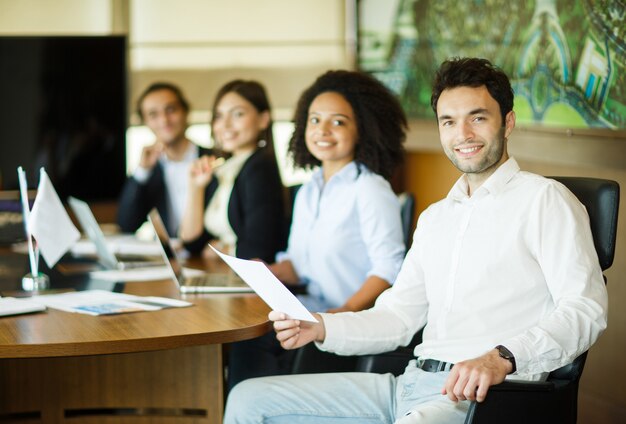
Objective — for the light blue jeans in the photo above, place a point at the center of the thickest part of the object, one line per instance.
(414, 397)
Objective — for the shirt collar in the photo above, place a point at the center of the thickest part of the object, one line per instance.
(494, 184)
(190, 155)
(233, 165)
(350, 172)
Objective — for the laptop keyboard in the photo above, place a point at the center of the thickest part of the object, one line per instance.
(214, 280)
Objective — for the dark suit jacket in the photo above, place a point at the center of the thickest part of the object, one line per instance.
(138, 199)
(255, 210)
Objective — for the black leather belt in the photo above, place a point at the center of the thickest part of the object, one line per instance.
(432, 365)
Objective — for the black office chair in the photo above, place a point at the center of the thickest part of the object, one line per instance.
(556, 399)
(290, 199)
(407, 209)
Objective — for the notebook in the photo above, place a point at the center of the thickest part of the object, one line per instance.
(205, 283)
(90, 226)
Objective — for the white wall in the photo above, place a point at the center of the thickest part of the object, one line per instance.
(201, 44)
(57, 17)
(192, 34)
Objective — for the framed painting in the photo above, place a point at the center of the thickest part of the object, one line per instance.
(566, 59)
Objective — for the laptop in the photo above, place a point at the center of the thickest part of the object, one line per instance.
(228, 282)
(11, 218)
(90, 226)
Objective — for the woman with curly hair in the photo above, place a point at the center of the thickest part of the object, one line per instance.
(345, 242)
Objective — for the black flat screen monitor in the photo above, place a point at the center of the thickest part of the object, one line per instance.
(64, 108)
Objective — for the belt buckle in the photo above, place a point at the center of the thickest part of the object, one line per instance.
(419, 362)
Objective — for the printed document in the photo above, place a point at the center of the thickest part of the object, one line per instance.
(101, 302)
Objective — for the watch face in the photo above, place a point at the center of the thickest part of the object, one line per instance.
(504, 352)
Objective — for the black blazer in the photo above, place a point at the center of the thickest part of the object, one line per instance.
(255, 210)
(138, 199)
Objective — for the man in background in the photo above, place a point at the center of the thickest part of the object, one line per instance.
(160, 180)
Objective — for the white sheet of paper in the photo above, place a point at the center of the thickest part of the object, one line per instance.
(140, 274)
(13, 306)
(267, 286)
(135, 274)
(120, 244)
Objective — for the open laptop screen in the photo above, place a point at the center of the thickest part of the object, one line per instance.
(212, 282)
(92, 229)
(164, 240)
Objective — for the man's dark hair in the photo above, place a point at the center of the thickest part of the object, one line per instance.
(255, 93)
(158, 86)
(381, 123)
(473, 72)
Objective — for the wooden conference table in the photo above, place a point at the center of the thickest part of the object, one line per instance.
(160, 367)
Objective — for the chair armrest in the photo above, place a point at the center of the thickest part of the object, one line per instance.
(309, 359)
(534, 402)
(391, 362)
(522, 386)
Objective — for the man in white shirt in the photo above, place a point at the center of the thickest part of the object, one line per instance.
(503, 274)
(160, 181)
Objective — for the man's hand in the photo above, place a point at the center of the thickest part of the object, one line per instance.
(150, 155)
(293, 333)
(470, 380)
(201, 170)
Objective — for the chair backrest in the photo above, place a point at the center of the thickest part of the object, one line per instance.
(407, 209)
(291, 196)
(601, 198)
(290, 199)
(557, 400)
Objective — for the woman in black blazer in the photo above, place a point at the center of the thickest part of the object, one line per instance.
(237, 204)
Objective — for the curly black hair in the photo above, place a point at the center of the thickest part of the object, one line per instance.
(473, 72)
(381, 123)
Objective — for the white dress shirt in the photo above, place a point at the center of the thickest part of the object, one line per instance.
(176, 178)
(514, 264)
(344, 231)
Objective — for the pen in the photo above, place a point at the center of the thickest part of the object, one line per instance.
(218, 162)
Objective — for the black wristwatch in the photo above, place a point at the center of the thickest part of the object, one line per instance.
(506, 354)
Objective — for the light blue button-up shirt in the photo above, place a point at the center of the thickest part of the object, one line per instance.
(344, 231)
